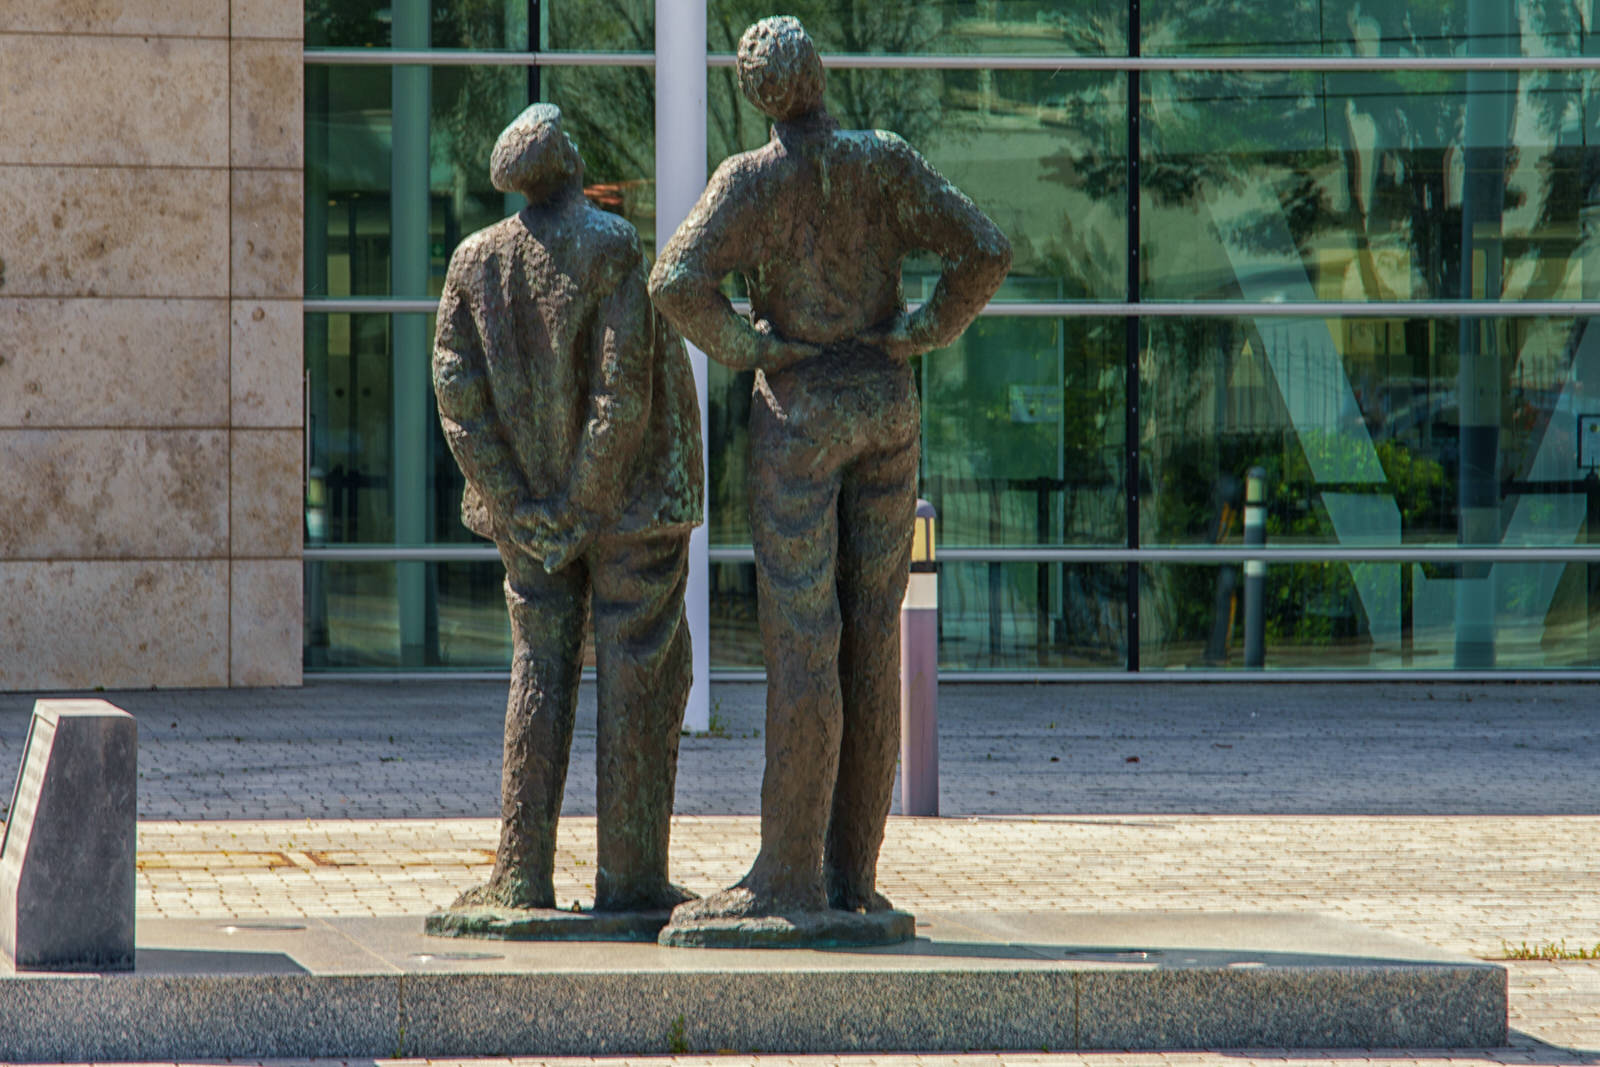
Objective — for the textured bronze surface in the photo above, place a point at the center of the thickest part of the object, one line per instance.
(570, 406)
(818, 221)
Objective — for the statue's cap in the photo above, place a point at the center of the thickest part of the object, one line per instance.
(779, 70)
(533, 154)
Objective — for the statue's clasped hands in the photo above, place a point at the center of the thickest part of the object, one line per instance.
(556, 541)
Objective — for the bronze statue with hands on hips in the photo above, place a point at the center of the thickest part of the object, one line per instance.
(818, 221)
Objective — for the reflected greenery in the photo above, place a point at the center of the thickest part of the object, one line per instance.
(1351, 186)
(1361, 27)
(485, 24)
(949, 27)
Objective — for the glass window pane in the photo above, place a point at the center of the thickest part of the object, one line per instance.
(470, 628)
(1022, 431)
(434, 23)
(1367, 186)
(735, 633)
(727, 454)
(351, 209)
(603, 26)
(1362, 431)
(1042, 153)
(354, 617)
(992, 616)
(941, 27)
(1324, 616)
(1360, 27)
(353, 426)
(1374, 432)
(1032, 616)
(349, 423)
(609, 112)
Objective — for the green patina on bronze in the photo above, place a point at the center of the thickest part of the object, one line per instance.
(818, 222)
(569, 404)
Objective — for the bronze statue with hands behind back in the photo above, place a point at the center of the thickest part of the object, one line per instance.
(570, 406)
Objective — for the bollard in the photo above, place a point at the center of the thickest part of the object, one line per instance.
(919, 674)
(1255, 570)
(67, 855)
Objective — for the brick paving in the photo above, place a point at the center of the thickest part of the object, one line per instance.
(1464, 816)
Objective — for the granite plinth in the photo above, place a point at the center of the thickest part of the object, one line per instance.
(380, 987)
(67, 856)
(805, 929)
(546, 924)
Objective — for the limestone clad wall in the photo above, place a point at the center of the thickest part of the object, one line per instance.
(151, 448)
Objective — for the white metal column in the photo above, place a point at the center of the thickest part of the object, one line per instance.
(680, 177)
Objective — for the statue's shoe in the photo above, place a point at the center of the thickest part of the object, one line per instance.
(663, 896)
(742, 918)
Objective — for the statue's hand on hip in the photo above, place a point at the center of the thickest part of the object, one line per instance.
(897, 337)
(779, 352)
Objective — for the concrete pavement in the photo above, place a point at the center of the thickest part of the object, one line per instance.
(1464, 816)
(432, 750)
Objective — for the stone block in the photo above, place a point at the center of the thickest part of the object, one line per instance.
(88, 100)
(132, 625)
(169, 18)
(269, 18)
(132, 1017)
(266, 641)
(113, 494)
(67, 857)
(267, 498)
(312, 989)
(268, 364)
(268, 214)
(114, 231)
(114, 363)
(267, 104)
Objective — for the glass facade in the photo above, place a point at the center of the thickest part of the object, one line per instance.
(1329, 242)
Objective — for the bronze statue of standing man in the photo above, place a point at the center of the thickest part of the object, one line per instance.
(818, 221)
(570, 406)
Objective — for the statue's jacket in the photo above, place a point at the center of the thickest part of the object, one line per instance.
(558, 383)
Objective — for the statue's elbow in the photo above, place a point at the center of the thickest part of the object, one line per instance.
(665, 286)
(991, 259)
(997, 253)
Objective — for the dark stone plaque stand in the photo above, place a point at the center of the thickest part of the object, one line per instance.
(67, 858)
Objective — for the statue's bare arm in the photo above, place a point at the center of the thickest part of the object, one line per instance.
(933, 215)
(711, 244)
(472, 426)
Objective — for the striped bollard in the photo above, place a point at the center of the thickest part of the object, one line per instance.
(1255, 570)
(919, 674)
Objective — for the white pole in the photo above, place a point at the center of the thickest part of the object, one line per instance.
(680, 178)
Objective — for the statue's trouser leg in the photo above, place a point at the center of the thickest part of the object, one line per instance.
(644, 669)
(793, 490)
(549, 613)
(877, 508)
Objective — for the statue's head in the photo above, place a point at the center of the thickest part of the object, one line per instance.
(779, 71)
(534, 157)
